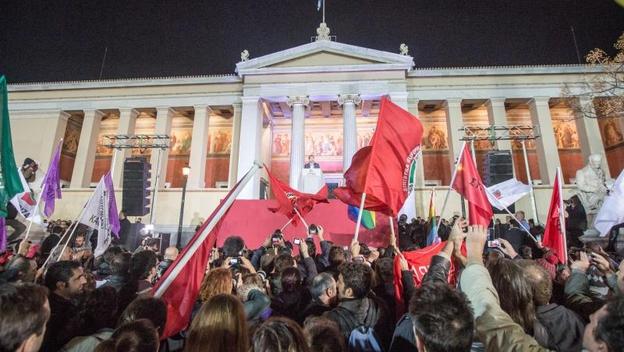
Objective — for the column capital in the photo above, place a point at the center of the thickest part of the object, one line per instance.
(64, 115)
(163, 109)
(236, 108)
(349, 98)
(496, 101)
(298, 100)
(539, 101)
(249, 99)
(452, 102)
(202, 107)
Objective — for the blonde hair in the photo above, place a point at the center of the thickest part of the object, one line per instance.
(218, 281)
(219, 326)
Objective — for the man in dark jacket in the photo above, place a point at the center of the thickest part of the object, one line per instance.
(66, 281)
(120, 266)
(324, 294)
(403, 338)
(557, 327)
(358, 306)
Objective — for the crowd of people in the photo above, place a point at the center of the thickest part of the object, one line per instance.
(486, 290)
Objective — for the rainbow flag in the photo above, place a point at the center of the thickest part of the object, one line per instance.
(432, 236)
(368, 217)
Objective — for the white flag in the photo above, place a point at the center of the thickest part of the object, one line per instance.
(504, 194)
(612, 211)
(409, 207)
(95, 216)
(25, 203)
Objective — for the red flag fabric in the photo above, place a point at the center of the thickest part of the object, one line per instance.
(554, 237)
(468, 183)
(182, 293)
(384, 169)
(418, 262)
(289, 199)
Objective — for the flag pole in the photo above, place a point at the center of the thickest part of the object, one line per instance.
(221, 210)
(35, 211)
(43, 187)
(75, 224)
(76, 220)
(562, 213)
(300, 217)
(359, 218)
(286, 224)
(71, 235)
(512, 216)
(530, 181)
(448, 193)
(391, 223)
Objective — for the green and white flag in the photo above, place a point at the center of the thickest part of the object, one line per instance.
(10, 183)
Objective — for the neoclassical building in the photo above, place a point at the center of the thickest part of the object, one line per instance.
(320, 98)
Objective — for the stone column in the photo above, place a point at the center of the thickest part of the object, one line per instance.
(127, 122)
(349, 127)
(589, 136)
(164, 118)
(50, 142)
(199, 148)
(85, 155)
(547, 151)
(454, 122)
(297, 138)
(236, 132)
(497, 115)
(250, 145)
(419, 176)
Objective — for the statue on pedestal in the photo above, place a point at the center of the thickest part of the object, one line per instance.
(593, 186)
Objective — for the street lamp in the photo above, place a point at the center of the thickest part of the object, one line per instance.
(185, 171)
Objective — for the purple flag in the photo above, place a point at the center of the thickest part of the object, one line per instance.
(52, 183)
(3, 235)
(113, 214)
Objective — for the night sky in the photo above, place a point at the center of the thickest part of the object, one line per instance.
(65, 40)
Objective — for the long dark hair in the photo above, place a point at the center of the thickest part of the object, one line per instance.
(514, 291)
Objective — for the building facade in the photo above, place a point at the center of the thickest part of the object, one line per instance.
(321, 99)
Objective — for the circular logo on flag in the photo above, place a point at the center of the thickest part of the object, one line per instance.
(409, 173)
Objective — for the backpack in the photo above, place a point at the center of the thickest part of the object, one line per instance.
(362, 338)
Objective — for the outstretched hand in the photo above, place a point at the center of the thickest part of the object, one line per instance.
(355, 248)
(475, 241)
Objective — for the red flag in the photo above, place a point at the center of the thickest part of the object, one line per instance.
(554, 237)
(468, 183)
(384, 169)
(418, 262)
(289, 199)
(181, 294)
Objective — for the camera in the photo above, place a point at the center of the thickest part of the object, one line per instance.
(234, 261)
(276, 238)
(493, 244)
(313, 229)
(297, 241)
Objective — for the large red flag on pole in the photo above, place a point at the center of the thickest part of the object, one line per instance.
(384, 170)
(291, 201)
(554, 234)
(468, 183)
(180, 284)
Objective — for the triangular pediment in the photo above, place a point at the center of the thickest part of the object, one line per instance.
(324, 55)
(324, 58)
